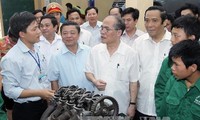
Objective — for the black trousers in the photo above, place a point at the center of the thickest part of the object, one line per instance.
(141, 116)
(29, 111)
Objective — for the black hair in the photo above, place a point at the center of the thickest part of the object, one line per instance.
(51, 17)
(163, 13)
(19, 22)
(192, 7)
(37, 11)
(91, 7)
(190, 25)
(188, 51)
(157, 3)
(72, 11)
(68, 23)
(69, 5)
(119, 9)
(133, 11)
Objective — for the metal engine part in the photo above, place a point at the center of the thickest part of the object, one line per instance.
(74, 103)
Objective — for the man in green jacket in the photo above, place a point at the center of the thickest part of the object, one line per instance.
(182, 92)
(185, 27)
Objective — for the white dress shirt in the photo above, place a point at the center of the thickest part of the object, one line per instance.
(85, 37)
(151, 55)
(130, 39)
(47, 48)
(95, 31)
(117, 71)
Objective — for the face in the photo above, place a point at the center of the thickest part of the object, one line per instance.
(57, 15)
(168, 25)
(179, 69)
(153, 23)
(178, 35)
(32, 34)
(187, 12)
(70, 35)
(47, 28)
(115, 12)
(75, 17)
(108, 33)
(129, 22)
(38, 16)
(92, 16)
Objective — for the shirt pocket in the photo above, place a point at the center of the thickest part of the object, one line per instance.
(122, 74)
(195, 110)
(172, 105)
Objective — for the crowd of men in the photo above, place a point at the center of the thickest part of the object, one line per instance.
(152, 73)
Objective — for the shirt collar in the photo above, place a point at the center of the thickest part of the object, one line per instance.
(24, 48)
(166, 37)
(57, 37)
(120, 49)
(66, 50)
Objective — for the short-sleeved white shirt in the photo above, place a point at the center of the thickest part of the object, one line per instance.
(95, 31)
(151, 55)
(85, 37)
(48, 49)
(130, 39)
(117, 70)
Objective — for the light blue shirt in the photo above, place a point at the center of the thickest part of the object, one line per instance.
(21, 72)
(68, 68)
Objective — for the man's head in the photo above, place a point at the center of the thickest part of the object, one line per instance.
(48, 25)
(112, 29)
(70, 32)
(92, 15)
(74, 15)
(185, 27)
(187, 9)
(55, 9)
(130, 16)
(38, 14)
(115, 11)
(155, 21)
(185, 57)
(24, 26)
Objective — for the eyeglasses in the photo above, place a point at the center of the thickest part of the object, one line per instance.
(107, 29)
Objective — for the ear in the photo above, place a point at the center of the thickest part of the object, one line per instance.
(21, 34)
(192, 37)
(55, 28)
(193, 67)
(119, 32)
(165, 23)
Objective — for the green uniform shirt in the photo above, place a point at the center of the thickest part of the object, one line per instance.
(2, 113)
(163, 76)
(181, 103)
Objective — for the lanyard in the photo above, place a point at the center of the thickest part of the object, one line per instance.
(37, 61)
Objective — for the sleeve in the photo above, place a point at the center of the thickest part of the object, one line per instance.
(134, 71)
(89, 66)
(53, 71)
(161, 81)
(11, 77)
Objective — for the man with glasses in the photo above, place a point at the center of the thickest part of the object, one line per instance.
(113, 66)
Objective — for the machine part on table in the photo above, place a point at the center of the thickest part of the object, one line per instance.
(74, 103)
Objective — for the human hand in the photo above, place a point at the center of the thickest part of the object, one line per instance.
(131, 111)
(47, 94)
(100, 84)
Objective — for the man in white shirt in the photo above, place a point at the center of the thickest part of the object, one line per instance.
(93, 25)
(130, 16)
(50, 42)
(152, 48)
(75, 16)
(24, 70)
(113, 66)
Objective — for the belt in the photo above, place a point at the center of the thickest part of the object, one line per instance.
(33, 102)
